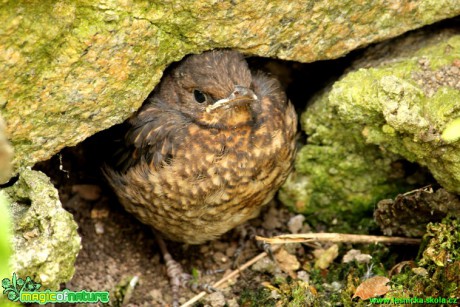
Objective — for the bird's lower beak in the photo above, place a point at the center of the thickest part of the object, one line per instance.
(240, 96)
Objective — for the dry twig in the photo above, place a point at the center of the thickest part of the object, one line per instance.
(337, 237)
(224, 279)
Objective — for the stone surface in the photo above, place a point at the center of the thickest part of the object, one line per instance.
(72, 69)
(338, 177)
(5, 235)
(394, 103)
(404, 104)
(6, 154)
(45, 242)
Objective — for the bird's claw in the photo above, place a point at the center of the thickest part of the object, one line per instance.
(248, 232)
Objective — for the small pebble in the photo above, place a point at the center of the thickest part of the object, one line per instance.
(287, 262)
(215, 299)
(356, 255)
(233, 303)
(295, 223)
(89, 192)
(99, 228)
(204, 249)
(265, 265)
(230, 252)
(220, 257)
(271, 220)
(303, 275)
(420, 271)
(156, 295)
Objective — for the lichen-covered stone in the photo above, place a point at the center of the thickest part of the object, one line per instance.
(45, 242)
(338, 177)
(404, 105)
(5, 234)
(6, 154)
(392, 106)
(70, 69)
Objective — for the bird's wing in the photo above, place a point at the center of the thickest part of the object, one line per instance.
(152, 137)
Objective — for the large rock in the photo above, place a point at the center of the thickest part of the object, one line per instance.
(5, 234)
(70, 69)
(397, 103)
(6, 154)
(405, 104)
(45, 242)
(338, 177)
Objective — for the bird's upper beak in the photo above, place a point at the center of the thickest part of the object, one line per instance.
(240, 96)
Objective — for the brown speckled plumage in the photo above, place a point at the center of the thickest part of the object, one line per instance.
(194, 170)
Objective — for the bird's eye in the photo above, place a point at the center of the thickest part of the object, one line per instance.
(199, 96)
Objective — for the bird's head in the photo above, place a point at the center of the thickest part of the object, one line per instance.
(214, 89)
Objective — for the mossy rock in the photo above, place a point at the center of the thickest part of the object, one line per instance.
(45, 241)
(383, 112)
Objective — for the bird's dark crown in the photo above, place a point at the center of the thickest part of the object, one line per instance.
(199, 81)
(215, 72)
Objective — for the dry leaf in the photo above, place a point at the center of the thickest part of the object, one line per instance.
(372, 287)
(325, 257)
(420, 271)
(97, 213)
(355, 254)
(287, 262)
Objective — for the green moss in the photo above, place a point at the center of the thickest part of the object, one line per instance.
(444, 242)
(398, 107)
(399, 117)
(367, 122)
(440, 262)
(293, 292)
(258, 297)
(452, 131)
(338, 176)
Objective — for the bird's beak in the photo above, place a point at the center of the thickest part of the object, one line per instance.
(240, 96)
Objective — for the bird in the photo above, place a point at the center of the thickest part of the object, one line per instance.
(210, 147)
(207, 150)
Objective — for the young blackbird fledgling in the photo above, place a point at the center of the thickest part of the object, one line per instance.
(210, 147)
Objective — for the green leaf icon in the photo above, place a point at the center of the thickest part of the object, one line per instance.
(30, 286)
(13, 296)
(6, 283)
(20, 282)
(14, 280)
